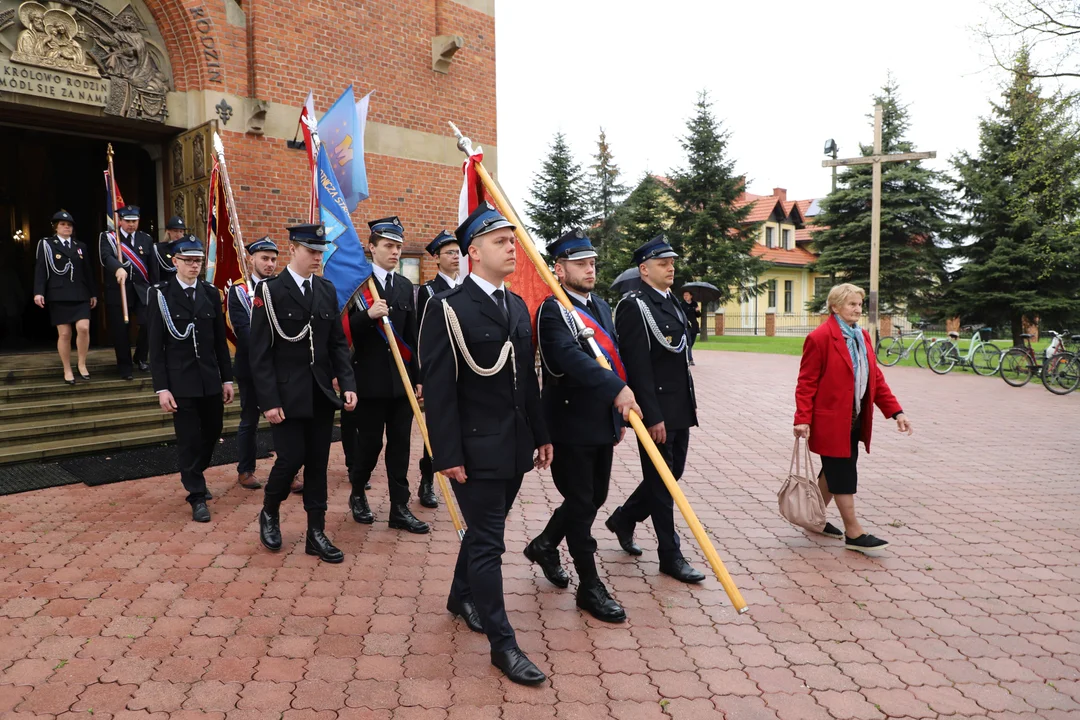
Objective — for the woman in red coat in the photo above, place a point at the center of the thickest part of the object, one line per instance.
(839, 385)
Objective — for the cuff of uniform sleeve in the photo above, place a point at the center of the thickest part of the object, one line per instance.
(161, 391)
(897, 414)
(227, 382)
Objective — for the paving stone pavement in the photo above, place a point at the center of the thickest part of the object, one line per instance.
(114, 605)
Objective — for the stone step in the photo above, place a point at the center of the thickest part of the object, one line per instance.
(49, 359)
(93, 444)
(44, 375)
(75, 405)
(59, 389)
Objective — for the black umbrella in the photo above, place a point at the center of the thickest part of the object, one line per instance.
(628, 280)
(702, 292)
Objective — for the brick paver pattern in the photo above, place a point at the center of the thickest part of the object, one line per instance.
(113, 604)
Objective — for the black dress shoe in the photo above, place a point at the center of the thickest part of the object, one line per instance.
(69, 382)
(319, 544)
(624, 534)
(402, 519)
(517, 667)
(426, 493)
(144, 367)
(361, 512)
(86, 378)
(679, 569)
(127, 376)
(367, 485)
(199, 512)
(270, 530)
(593, 598)
(466, 611)
(546, 555)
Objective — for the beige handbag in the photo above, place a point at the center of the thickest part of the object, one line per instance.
(800, 499)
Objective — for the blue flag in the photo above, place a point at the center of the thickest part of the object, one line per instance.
(342, 132)
(344, 263)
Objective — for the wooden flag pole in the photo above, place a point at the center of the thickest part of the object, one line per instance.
(526, 244)
(116, 232)
(234, 223)
(444, 486)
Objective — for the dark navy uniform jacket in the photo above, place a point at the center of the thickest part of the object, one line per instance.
(76, 285)
(174, 364)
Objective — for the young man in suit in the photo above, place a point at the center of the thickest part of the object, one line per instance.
(485, 422)
(297, 348)
(585, 406)
(447, 253)
(174, 230)
(654, 343)
(383, 404)
(189, 361)
(139, 268)
(64, 282)
(262, 260)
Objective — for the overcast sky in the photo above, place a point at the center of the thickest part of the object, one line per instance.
(784, 77)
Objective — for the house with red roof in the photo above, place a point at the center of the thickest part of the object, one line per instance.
(784, 243)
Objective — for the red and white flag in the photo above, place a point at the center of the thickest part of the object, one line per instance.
(308, 121)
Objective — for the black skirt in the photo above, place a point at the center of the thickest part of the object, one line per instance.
(842, 474)
(62, 312)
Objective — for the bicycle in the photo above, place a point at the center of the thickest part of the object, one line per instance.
(982, 357)
(892, 349)
(1019, 364)
(1061, 372)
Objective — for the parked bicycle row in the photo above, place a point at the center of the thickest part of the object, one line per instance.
(1057, 367)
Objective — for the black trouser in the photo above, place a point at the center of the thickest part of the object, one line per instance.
(302, 442)
(249, 424)
(581, 474)
(652, 499)
(197, 422)
(121, 338)
(427, 474)
(362, 441)
(478, 573)
(690, 350)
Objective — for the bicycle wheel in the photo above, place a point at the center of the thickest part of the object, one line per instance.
(942, 357)
(1016, 368)
(920, 354)
(889, 350)
(986, 360)
(1062, 373)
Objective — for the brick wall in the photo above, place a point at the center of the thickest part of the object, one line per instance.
(289, 48)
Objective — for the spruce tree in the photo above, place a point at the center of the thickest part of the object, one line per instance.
(708, 231)
(915, 213)
(560, 194)
(1019, 243)
(605, 189)
(643, 216)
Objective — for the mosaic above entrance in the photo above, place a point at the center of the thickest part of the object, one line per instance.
(81, 51)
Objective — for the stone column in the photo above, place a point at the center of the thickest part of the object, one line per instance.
(770, 322)
(718, 318)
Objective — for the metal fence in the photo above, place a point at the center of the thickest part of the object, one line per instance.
(800, 324)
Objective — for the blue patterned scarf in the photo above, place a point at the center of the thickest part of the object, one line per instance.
(856, 345)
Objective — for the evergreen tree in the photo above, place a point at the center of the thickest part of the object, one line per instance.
(643, 216)
(560, 194)
(708, 231)
(915, 214)
(1020, 194)
(606, 190)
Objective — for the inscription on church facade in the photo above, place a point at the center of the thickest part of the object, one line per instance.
(54, 84)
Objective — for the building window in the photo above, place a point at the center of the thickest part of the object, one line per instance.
(769, 242)
(787, 240)
(410, 268)
(789, 295)
(772, 294)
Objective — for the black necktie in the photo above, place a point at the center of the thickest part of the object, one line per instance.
(498, 297)
(307, 287)
(389, 281)
(190, 292)
(590, 307)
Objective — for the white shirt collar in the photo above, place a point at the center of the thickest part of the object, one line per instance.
(253, 280)
(298, 278)
(185, 285)
(662, 293)
(380, 274)
(64, 239)
(583, 299)
(452, 282)
(484, 285)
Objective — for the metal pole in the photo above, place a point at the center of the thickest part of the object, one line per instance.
(875, 230)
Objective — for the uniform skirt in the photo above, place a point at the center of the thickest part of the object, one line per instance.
(63, 312)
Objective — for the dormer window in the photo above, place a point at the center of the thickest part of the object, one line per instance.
(770, 240)
(788, 245)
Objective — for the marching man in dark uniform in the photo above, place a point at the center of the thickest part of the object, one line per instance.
(654, 344)
(297, 348)
(64, 281)
(174, 230)
(262, 255)
(189, 361)
(139, 267)
(383, 403)
(447, 253)
(585, 406)
(485, 422)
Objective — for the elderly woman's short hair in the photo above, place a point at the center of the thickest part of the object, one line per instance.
(842, 292)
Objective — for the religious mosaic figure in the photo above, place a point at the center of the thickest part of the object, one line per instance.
(198, 156)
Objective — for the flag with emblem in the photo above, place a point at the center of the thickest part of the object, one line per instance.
(344, 263)
(341, 132)
(222, 263)
(113, 200)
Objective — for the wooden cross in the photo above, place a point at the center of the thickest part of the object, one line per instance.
(875, 214)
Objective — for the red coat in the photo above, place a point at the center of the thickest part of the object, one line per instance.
(825, 393)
